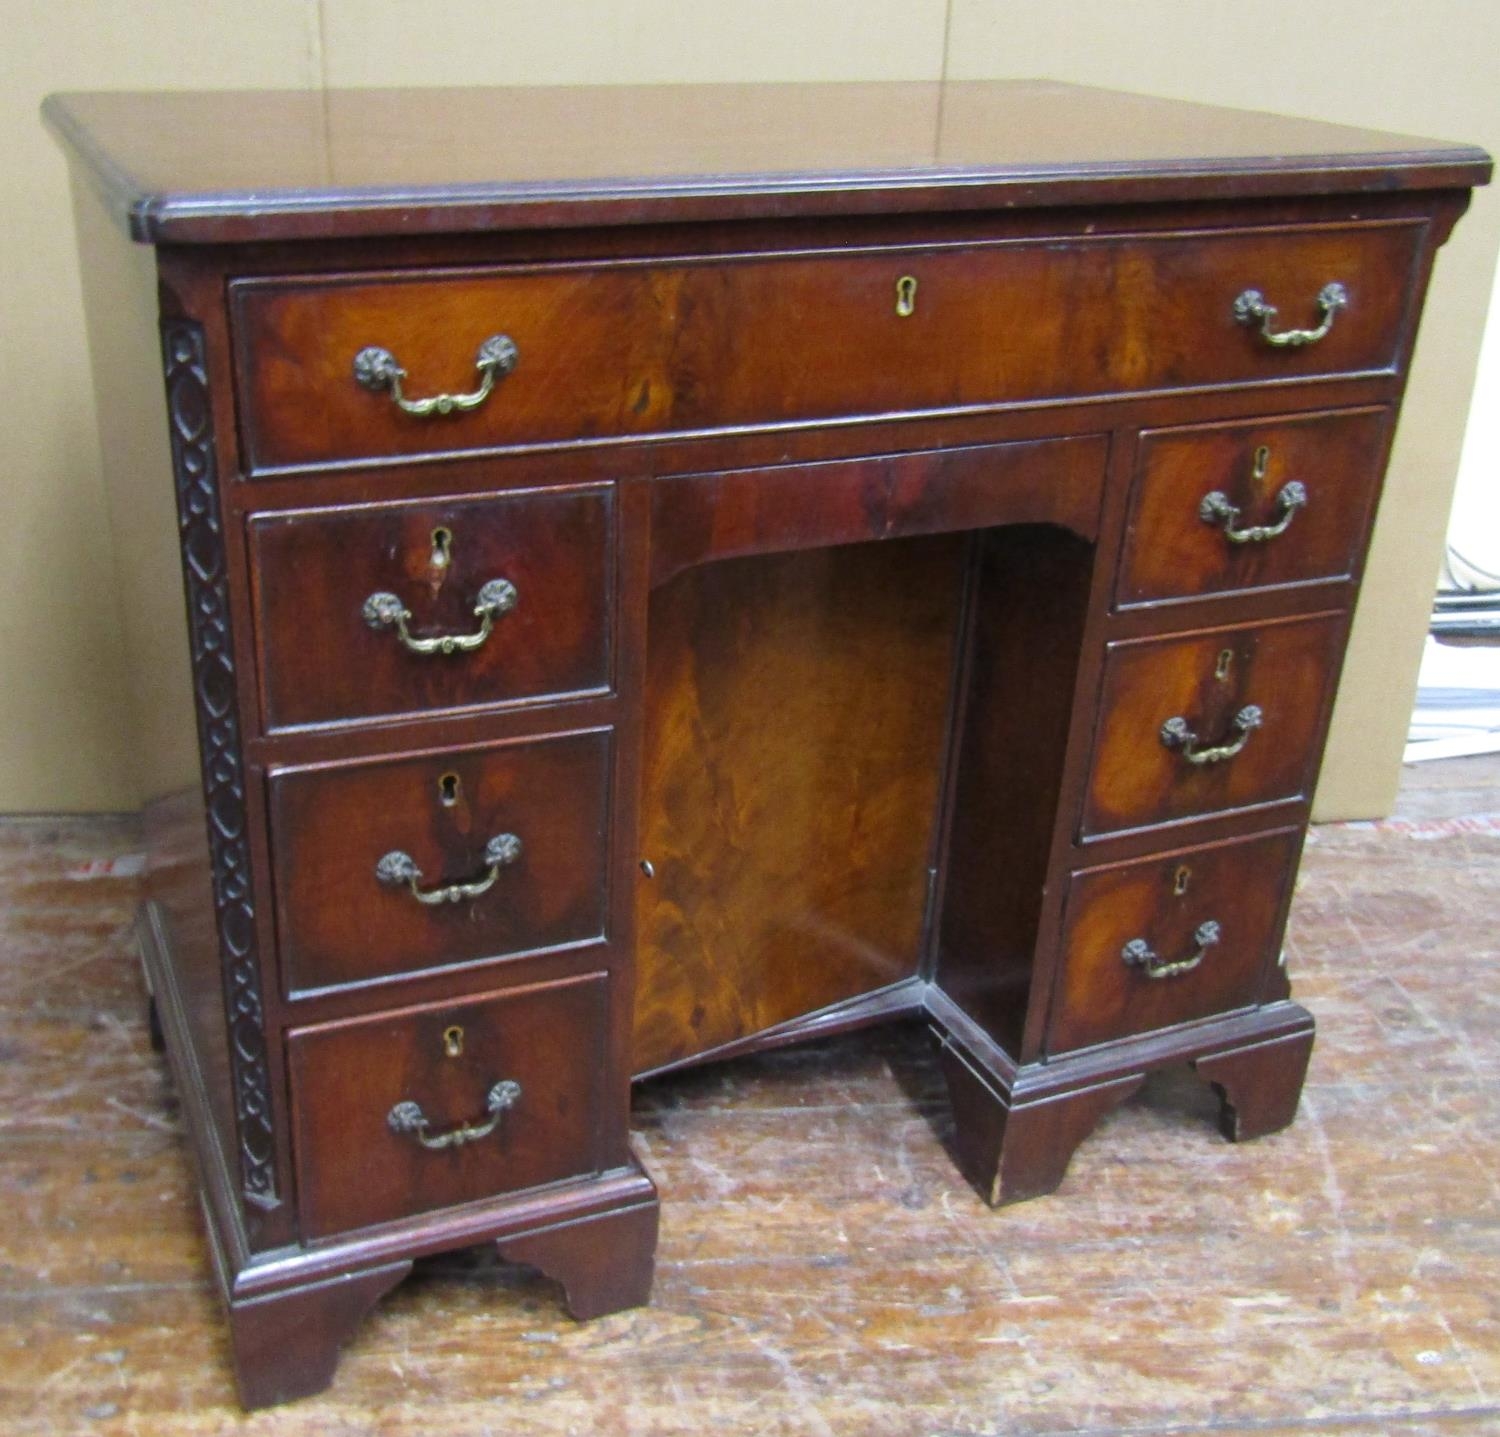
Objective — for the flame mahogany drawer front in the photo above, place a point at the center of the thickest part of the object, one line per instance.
(1166, 940)
(593, 350)
(1249, 505)
(1201, 723)
(352, 606)
(447, 1103)
(507, 845)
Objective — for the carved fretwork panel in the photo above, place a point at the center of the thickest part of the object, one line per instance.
(212, 640)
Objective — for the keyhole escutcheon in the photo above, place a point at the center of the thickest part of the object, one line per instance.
(906, 295)
(453, 1041)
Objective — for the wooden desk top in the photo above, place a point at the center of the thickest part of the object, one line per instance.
(260, 165)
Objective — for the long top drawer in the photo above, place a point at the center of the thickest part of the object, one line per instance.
(594, 350)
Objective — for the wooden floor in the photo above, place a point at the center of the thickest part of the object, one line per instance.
(822, 1268)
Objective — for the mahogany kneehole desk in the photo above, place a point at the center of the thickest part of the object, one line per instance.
(672, 572)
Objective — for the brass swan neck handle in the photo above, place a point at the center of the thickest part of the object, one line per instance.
(1138, 953)
(1177, 734)
(408, 1117)
(384, 610)
(377, 369)
(398, 869)
(1252, 309)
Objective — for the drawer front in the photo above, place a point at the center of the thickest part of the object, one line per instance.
(519, 828)
(522, 582)
(1250, 505)
(428, 1107)
(1204, 722)
(679, 345)
(1169, 939)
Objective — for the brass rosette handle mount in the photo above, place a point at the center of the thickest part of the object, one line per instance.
(384, 610)
(1138, 953)
(1178, 734)
(1252, 309)
(1217, 509)
(379, 371)
(408, 1118)
(398, 869)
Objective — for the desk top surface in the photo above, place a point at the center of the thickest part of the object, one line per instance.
(259, 165)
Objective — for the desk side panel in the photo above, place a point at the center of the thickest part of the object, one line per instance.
(121, 308)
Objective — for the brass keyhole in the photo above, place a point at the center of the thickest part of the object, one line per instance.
(1180, 880)
(1261, 462)
(906, 295)
(442, 548)
(1224, 664)
(453, 1041)
(448, 789)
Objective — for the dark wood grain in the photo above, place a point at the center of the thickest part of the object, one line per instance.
(269, 165)
(705, 517)
(795, 728)
(1241, 885)
(330, 827)
(1285, 669)
(604, 1263)
(1259, 1085)
(353, 1170)
(1030, 596)
(1012, 1151)
(1171, 553)
(286, 1345)
(671, 346)
(321, 662)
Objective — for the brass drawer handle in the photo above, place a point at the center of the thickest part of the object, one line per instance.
(1251, 309)
(1138, 954)
(376, 369)
(384, 611)
(1175, 733)
(409, 1118)
(397, 869)
(1217, 510)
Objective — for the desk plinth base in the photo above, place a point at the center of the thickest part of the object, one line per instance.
(1016, 1127)
(292, 1308)
(286, 1339)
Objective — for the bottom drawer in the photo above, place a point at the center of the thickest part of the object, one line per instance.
(1168, 939)
(447, 1103)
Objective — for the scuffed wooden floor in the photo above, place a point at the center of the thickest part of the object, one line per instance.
(822, 1269)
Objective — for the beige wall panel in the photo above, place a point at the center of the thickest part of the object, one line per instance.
(1474, 527)
(155, 707)
(487, 42)
(1426, 69)
(65, 730)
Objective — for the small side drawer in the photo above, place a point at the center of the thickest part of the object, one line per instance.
(452, 1102)
(1250, 505)
(1209, 721)
(346, 911)
(1170, 939)
(332, 649)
